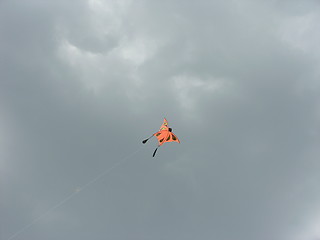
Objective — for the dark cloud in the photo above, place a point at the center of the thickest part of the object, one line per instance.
(83, 82)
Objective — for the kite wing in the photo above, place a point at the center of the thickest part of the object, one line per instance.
(161, 136)
(172, 138)
(166, 136)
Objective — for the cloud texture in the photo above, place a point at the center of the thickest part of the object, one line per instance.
(83, 82)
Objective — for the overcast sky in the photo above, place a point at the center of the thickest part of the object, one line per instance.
(83, 82)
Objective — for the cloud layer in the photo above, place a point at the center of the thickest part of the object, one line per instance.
(83, 82)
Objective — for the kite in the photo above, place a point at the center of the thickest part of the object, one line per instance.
(163, 135)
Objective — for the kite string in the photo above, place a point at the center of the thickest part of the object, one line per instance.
(68, 197)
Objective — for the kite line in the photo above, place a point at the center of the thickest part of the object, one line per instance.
(70, 196)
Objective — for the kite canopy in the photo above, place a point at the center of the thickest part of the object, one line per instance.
(165, 134)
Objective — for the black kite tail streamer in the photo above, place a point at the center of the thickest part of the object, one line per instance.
(154, 153)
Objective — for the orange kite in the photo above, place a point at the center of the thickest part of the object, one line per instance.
(163, 135)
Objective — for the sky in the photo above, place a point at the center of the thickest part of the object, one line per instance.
(83, 82)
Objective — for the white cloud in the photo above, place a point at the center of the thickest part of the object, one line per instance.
(311, 231)
(87, 65)
(138, 50)
(299, 31)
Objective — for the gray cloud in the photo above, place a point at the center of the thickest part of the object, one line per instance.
(83, 82)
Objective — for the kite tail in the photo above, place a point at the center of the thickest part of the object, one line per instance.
(154, 153)
(144, 141)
